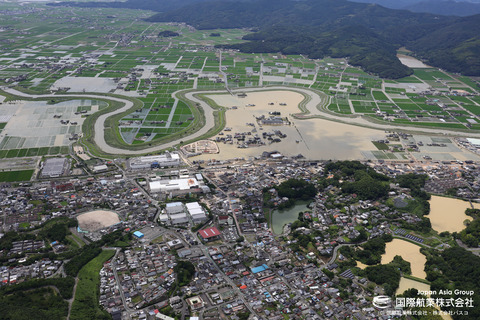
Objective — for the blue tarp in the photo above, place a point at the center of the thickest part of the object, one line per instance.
(259, 268)
(138, 234)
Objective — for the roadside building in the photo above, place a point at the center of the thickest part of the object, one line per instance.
(195, 303)
(175, 244)
(225, 220)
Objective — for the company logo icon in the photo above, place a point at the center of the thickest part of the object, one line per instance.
(382, 302)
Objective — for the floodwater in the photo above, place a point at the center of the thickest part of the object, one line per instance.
(312, 138)
(285, 216)
(85, 84)
(406, 284)
(448, 214)
(361, 265)
(411, 62)
(409, 252)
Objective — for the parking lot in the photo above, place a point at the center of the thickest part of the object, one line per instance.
(151, 233)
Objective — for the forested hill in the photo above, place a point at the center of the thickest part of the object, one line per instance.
(445, 7)
(454, 47)
(363, 47)
(367, 33)
(262, 13)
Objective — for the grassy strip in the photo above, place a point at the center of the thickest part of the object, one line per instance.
(416, 279)
(73, 267)
(218, 115)
(411, 126)
(85, 305)
(79, 241)
(10, 176)
(88, 127)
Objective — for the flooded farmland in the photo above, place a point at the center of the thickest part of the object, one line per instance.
(409, 252)
(447, 214)
(313, 138)
(406, 284)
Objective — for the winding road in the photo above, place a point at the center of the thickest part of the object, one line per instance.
(315, 106)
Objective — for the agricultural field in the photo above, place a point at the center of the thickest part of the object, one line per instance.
(10, 176)
(104, 52)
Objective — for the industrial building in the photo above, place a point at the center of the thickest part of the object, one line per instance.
(179, 218)
(258, 269)
(178, 186)
(474, 142)
(196, 212)
(100, 168)
(209, 234)
(173, 185)
(164, 160)
(174, 207)
(163, 218)
(177, 213)
(54, 167)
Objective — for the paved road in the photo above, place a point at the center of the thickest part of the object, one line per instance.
(315, 106)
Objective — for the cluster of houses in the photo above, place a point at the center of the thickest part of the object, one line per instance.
(39, 269)
(144, 276)
(263, 275)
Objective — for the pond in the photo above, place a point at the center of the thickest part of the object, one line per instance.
(285, 216)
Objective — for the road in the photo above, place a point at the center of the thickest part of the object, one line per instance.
(70, 301)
